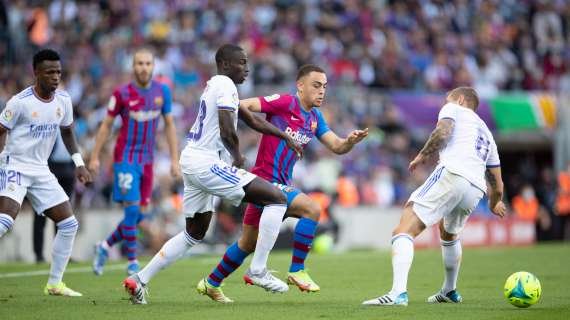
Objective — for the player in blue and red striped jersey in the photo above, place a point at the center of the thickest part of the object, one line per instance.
(299, 116)
(140, 104)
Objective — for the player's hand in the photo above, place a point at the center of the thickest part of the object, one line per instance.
(418, 160)
(83, 175)
(295, 147)
(175, 170)
(239, 162)
(500, 209)
(356, 136)
(94, 165)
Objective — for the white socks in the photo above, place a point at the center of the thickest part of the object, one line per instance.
(6, 223)
(402, 257)
(269, 226)
(171, 251)
(61, 251)
(451, 252)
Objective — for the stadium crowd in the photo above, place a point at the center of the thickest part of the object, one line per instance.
(367, 47)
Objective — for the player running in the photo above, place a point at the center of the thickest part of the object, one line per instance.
(297, 115)
(467, 154)
(140, 105)
(28, 131)
(211, 140)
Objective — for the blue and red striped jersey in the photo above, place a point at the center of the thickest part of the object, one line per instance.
(140, 110)
(275, 161)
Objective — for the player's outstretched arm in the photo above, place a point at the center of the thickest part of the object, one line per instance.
(261, 125)
(436, 142)
(339, 145)
(70, 142)
(170, 130)
(495, 187)
(229, 136)
(100, 138)
(252, 104)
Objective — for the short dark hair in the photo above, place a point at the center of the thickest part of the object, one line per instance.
(45, 55)
(226, 51)
(308, 68)
(470, 95)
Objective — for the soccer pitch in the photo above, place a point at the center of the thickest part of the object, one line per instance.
(346, 280)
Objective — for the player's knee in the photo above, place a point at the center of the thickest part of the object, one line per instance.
(312, 211)
(197, 231)
(68, 227)
(446, 236)
(278, 197)
(6, 223)
(197, 228)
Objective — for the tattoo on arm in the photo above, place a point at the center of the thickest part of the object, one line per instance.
(438, 138)
(491, 179)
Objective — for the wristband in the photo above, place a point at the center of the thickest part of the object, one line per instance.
(77, 159)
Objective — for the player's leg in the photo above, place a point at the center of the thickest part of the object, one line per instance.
(451, 252)
(38, 236)
(425, 208)
(170, 252)
(9, 209)
(402, 256)
(133, 213)
(236, 185)
(13, 189)
(231, 261)
(308, 212)
(48, 197)
(67, 227)
(198, 208)
(450, 227)
(238, 251)
(126, 190)
(274, 203)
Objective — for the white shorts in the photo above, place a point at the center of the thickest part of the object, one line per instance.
(221, 180)
(41, 187)
(448, 196)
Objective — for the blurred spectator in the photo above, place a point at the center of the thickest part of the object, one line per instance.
(527, 207)
(366, 46)
(563, 203)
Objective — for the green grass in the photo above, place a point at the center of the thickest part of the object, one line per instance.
(345, 279)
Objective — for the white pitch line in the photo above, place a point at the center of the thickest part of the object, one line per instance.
(69, 270)
(112, 267)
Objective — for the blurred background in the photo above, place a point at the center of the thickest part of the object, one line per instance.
(389, 64)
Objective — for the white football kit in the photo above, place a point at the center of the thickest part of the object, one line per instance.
(457, 184)
(33, 126)
(205, 172)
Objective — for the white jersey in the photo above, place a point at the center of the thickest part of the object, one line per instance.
(471, 148)
(204, 142)
(33, 126)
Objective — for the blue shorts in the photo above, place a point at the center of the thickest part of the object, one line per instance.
(132, 182)
(289, 191)
(253, 212)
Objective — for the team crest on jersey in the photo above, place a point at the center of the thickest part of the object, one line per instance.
(313, 126)
(58, 112)
(272, 97)
(7, 115)
(158, 101)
